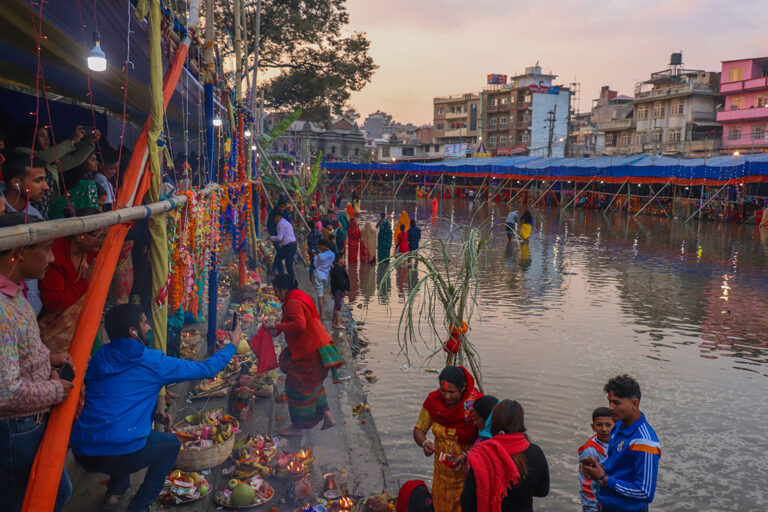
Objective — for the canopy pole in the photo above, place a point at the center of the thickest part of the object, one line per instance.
(520, 191)
(575, 197)
(707, 202)
(501, 188)
(405, 176)
(615, 196)
(545, 193)
(437, 183)
(651, 200)
(341, 183)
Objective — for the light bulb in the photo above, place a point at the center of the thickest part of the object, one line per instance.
(217, 121)
(97, 61)
(247, 134)
(253, 147)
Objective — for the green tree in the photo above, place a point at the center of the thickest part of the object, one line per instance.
(308, 61)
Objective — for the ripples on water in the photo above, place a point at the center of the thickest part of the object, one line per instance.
(681, 307)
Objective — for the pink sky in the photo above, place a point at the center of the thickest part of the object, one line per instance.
(427, 48)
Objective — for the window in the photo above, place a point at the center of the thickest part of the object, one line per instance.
(437, 148)
(357, 151)
(492, 121)
(658, 111)
(385, 151)
(503, 139)
(439, 127)
(658, 135)
(527, 98)
(734, 74)
(639, 137)
(624, 140)
(761, 101)
(642, 113)
(526, 137)
(610, 139)
(493, 139)
(678, 108)
(491, 102)
(526, 118)
(504, 101)
(737, 103)
(503, 120)
(674, 135)
(758, 133)
(511, 119)
(441, 110)
(333, 150)
(407, 151)
(512, 99)
(734, 133)
(463, 125)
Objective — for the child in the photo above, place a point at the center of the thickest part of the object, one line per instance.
(339, 288)
(323, 262)
(313, 239)
(597, 447)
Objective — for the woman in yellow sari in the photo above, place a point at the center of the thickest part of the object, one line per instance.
(447, 412)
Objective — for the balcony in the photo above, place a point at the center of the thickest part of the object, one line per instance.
(744, 114)
(616, 124)
(455, 115)
(674, 91)
(744, 85)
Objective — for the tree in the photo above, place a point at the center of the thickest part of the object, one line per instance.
(309, 63)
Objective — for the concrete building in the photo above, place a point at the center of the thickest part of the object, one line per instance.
(516, 115)
(342, 141)
(674, 112)
(613, 121)
(582, 135)
(395, 150)
(745, 116)
(457, 119)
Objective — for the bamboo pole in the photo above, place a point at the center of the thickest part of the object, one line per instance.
(615, 196)
(545, 193)
(651, 200)
(437, 183)
(400, 185)
(519, 191)
(707, 202)
(576, 196)
(341, 183)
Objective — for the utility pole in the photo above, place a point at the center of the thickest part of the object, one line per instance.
(551, 117)
(256, 37)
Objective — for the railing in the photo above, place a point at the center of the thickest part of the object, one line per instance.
(742, 114)
(743, 85)
(677, 90)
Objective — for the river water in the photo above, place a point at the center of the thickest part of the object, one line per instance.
(683, 308)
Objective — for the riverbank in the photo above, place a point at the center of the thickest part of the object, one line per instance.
(353, 444)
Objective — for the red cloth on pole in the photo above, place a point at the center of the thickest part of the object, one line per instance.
(262, 346)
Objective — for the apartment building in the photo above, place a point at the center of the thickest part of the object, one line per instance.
(675, 112)
(394, 150)
(582, 135)
(745, 115)
(611, 116)
(457, 119)
(516, 116)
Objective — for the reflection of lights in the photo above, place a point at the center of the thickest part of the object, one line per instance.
(725, 287)
(699, 252)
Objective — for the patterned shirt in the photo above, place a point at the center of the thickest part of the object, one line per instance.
(25, 385)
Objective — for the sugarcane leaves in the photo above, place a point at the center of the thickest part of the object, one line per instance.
(266, 140)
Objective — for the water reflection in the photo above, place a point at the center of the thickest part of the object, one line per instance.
(680, 306)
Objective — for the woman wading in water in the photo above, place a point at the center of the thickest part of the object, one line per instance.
(301, 361)
(447, 412)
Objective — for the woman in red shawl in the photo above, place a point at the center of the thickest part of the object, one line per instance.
(447, 412)
(353, 241)
(301, 361)
(506, 471)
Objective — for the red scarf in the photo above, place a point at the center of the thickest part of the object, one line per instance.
(457, 417)
(404, 496)
(305, 299)
(495, 472)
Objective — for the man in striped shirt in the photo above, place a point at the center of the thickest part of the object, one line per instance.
(626, 480)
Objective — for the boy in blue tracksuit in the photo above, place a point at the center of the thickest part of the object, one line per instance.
(627, 477)
(595, 447)
(113, 434)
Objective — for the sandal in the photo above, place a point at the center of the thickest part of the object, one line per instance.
(111, 502)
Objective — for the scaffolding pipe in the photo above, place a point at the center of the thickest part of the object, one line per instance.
(707, 202)
(651, 200)
(575, 197)
(545, 193)
(615, 196)
(519, 191)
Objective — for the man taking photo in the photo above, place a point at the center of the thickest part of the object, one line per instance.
(114, 435)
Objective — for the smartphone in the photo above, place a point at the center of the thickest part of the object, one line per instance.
(66, 372)
(234, 320)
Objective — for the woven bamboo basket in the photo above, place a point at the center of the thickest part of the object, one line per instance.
(194, 460)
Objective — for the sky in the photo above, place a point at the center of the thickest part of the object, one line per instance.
(428, 48)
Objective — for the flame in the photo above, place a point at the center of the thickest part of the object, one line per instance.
(302, 455)
(346, 502)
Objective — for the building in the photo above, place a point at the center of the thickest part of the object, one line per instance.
(457, 119)
(398, 150)
(527, 116)
(613, 121)
(675, 112)
(582, 136)
(745, 86)
(341, 141)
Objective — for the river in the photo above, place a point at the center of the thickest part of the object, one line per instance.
(683, 308)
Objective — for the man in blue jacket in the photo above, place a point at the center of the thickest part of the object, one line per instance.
(626, 480)
(113, 434)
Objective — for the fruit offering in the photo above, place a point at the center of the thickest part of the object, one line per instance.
(183, 487)
(245, 493)
(253, 455)
(206, 429)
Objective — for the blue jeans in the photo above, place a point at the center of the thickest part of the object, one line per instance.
(159, 456)
(19, 440)
(287, 254)
(275, 267)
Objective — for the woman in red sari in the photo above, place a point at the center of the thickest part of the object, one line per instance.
(301, 361)
(447, 412)
(353, 241)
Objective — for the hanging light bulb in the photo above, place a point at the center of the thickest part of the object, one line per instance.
(217, 121)
(247, 133)
(253, 147)
(97, 61)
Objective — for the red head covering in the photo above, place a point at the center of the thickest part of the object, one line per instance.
(456, 417)
(404, 496)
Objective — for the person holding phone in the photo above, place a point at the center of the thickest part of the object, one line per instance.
(29, 383)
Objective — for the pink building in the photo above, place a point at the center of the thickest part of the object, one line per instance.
(744, 83)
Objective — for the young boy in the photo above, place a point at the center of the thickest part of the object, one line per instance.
(597, 447)
(339, 288)
(323, 262)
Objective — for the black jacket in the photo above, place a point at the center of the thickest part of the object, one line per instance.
(339, 279)
(520, 497)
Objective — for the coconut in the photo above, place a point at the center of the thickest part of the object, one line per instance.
(243, 347)
(242, 495)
